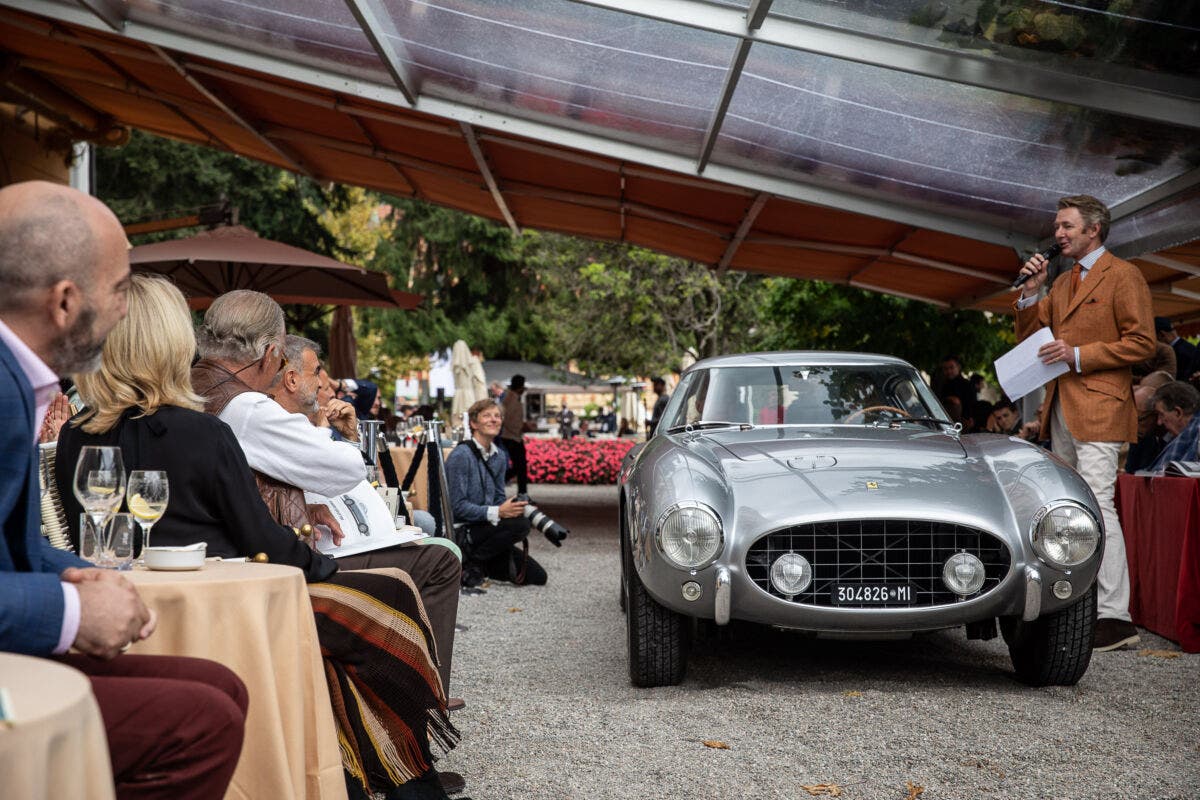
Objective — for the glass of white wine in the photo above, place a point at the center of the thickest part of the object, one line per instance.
(147, 501)
(99, 487)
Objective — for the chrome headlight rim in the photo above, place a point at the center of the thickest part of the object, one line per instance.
(1037, 541)
(697, 505)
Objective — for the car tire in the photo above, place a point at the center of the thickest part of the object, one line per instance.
(657, 639)
(1053, 650)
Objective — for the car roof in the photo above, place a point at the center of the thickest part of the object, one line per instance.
(798, 358)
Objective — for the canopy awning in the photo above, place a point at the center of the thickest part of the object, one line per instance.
(886, 145)
(542, 379)
(211, 263)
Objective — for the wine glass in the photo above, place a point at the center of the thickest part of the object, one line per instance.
(99, 487)
(147, 501)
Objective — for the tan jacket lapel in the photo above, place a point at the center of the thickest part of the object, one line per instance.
(1088, 285)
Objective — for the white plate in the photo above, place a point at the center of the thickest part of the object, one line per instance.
(174, 559)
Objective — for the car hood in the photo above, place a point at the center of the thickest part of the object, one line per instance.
(846, 445)
(853, 472)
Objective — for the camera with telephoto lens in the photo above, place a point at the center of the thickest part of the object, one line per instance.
(549, 528)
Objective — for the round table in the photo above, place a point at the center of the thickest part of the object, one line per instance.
(55, 746)
(257, 620)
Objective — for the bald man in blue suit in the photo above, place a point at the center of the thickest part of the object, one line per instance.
(174, 725)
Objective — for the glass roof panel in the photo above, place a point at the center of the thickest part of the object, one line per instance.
(313, 32)
(960, 149)
(1133, 41)
(587, 68)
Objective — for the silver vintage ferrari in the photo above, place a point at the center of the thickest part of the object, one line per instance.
(829, 493)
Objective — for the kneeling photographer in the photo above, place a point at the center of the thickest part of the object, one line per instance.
(493, 531)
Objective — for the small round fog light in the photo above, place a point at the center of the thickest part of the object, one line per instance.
(963, 574)
(691, 591)
(791, 574)
(1062, 589)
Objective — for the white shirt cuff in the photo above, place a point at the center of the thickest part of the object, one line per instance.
(70, 624)
(494, 515)
(1025, 302)
(1077, 367)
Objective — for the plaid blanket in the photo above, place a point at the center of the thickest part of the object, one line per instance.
(381, 666)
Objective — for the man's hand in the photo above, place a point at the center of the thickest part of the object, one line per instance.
(319, 514)
(58, 413)
(1030, 431)
(341, 416)
(512, 508)
(1035, 272)
(1058, 350)
(111, 615)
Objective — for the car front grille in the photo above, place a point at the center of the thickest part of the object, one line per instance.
(887, 552)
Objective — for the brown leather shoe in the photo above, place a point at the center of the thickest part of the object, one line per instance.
(455, 704)
(452, 782)
(1114, 634)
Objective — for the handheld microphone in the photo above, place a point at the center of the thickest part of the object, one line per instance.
(1049, 253)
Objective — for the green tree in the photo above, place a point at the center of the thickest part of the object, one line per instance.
(152, 176)
(824, 316)
(475, 280)
(623, 309)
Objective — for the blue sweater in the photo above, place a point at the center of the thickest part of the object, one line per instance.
(473, 484)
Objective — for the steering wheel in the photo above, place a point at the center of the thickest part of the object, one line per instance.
(862, 412)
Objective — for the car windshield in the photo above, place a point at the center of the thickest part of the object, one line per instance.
(859, 394)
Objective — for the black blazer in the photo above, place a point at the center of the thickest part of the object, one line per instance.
(213, 495)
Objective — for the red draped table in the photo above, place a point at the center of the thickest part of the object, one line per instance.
(1161, 520)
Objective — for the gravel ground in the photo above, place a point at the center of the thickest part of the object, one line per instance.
(551, 713)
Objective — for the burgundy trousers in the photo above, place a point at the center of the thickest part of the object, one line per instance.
(174, 724)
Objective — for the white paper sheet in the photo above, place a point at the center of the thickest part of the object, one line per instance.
(1020, 371)
(381, 527)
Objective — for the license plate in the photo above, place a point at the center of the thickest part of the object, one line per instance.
(876, 594)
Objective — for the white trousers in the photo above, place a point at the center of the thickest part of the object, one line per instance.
(1096, 463)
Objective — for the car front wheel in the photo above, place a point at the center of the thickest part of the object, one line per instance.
(657, 638)
(1053, 650)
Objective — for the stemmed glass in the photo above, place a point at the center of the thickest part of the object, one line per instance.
(148, 495)
(99, 487)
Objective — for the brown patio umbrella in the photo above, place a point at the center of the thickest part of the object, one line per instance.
(214, 262)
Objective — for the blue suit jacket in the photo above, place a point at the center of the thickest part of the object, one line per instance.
(31, 601)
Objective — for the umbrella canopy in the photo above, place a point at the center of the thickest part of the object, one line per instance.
(343, 349)
(464, 386)
(478, 378)
(633, 409)
(209, 264)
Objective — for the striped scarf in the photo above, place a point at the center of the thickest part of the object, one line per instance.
(381, 667)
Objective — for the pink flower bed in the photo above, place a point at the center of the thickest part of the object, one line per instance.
(577, 460)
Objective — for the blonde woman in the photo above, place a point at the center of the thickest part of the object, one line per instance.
(141, 400)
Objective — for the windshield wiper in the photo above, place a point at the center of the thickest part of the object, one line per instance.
(699, 426)
(927, 420)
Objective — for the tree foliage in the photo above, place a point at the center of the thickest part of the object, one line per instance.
(623, 309)
(152, 176)
(824, 316)
(475, 281)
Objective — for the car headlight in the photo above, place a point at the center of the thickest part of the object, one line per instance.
(1065, 534)
(690, 536)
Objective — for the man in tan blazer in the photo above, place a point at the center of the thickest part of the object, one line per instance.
(1101, 318)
